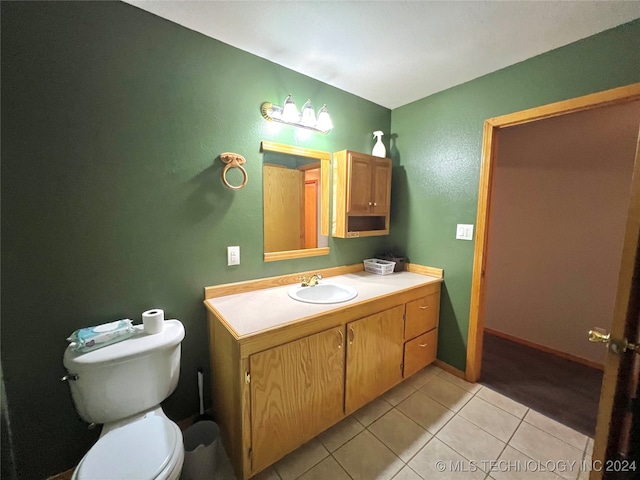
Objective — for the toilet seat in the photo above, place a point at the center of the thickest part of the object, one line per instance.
(146, 449)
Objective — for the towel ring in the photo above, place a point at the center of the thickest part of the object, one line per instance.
(233, 160)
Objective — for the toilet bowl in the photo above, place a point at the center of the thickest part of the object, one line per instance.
(147, 448)
(121, 386)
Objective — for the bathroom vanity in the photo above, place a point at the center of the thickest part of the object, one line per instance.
(284, 371)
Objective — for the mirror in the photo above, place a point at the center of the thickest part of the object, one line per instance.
(295, 189)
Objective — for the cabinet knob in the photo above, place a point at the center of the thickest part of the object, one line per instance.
(369, 203)
(351, 335)
(341, 338)
(375, 204)
(422, 307)
(422, 345)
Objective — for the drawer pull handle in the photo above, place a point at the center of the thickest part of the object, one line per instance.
(341, 338)
(351, 335)
(424, 307)
(422, 345)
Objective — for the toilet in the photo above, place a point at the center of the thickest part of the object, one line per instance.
(121, 386)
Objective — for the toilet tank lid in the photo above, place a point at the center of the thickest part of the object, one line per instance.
(140, 344)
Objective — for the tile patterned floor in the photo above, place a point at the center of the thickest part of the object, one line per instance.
(435, 425)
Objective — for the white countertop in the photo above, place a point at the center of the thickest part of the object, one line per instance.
(252, 312)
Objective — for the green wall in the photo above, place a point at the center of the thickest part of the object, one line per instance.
(112, 203)
(438, 142)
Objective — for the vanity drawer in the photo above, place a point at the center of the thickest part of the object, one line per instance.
(421, 315)
(420, 352)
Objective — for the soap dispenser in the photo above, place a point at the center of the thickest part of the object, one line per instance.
(379, 149)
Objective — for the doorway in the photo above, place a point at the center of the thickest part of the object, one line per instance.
(476, 322)
(560, 197)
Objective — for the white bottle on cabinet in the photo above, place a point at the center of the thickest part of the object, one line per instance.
(379, 149)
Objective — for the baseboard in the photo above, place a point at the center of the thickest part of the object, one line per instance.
(448, 368)
(64, 475)
(543, 348)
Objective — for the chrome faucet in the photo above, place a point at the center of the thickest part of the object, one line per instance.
(312, 282)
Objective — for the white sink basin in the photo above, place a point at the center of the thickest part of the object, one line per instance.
(323, 293)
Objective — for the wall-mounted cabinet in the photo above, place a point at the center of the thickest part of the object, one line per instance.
(361, 195)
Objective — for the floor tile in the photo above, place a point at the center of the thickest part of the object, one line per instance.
(589, 449)
(224, 470)
(542, 446)
(399, 393)
(326, 469)
(433, 369)
(585, 468)
(268, 474)
(426, 412)
(402, 435)
(407, 474)
(372, 411)
(460, 382)
(500, 401)
(301, 460)
(490, 418)
(564, 433)
(584, 475)
(515, 465)
(340, 433)
(437, 460)
(418, 379)
(446, 393)
(470, 441)
(366, 458)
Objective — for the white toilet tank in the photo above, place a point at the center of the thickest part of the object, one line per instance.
(125, 378)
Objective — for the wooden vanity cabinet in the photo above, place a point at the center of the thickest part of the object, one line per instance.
(374, 357)
(277, 389)
(296, 390)
(361, 194)
(421, 332)
(420, 352)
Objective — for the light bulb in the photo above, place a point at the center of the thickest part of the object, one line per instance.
(308, 115)
(324, 120)
(289, 111)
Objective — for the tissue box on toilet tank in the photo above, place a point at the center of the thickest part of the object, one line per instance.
(91, 338)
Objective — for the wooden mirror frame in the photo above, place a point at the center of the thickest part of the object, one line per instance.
(325, 172)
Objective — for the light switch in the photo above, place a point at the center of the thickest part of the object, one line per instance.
(233, 255)
(464, 231)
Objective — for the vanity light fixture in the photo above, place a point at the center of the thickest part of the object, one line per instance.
(288, 114)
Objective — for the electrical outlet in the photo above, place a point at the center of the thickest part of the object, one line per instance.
(233, 255)
(464, 232)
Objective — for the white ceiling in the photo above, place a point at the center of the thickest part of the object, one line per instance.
(395, 52)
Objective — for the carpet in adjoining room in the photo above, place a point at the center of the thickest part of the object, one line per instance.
(566, 391)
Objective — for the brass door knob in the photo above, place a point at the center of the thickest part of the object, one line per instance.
(617, 346)
(599, 335)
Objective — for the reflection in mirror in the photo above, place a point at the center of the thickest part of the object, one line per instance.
(295, 185)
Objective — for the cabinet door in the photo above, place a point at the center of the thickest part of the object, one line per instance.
(374, 356)
(381, 186)
(359, 184)
(297, 391)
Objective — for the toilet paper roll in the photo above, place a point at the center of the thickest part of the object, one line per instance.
(153, 320)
